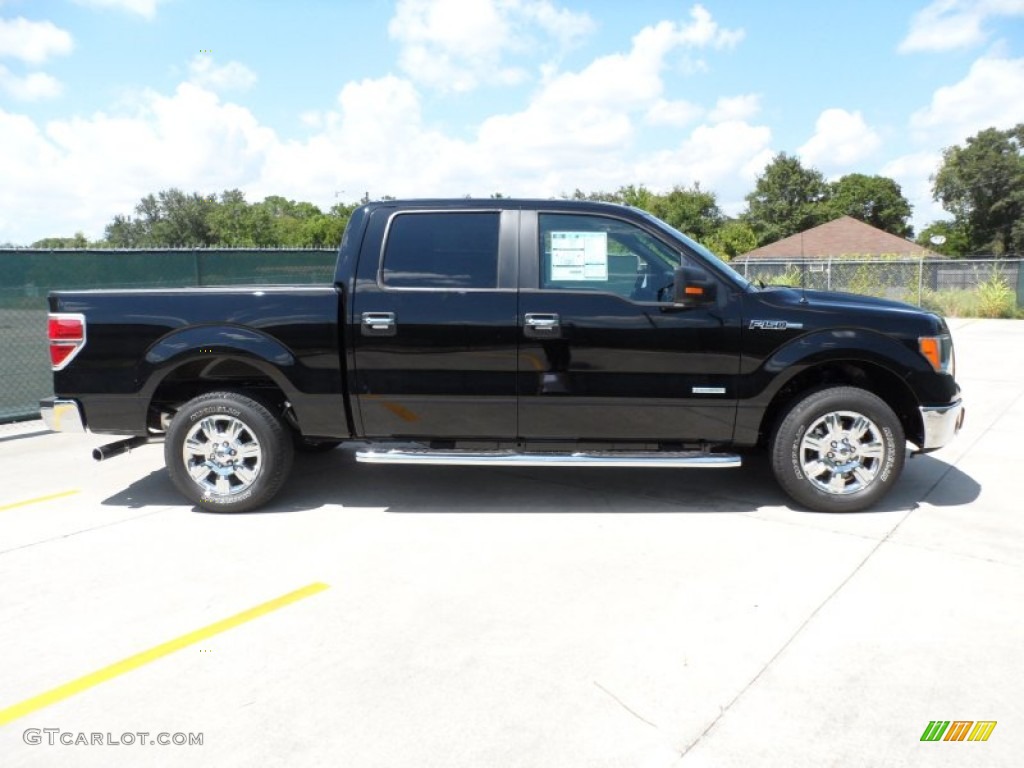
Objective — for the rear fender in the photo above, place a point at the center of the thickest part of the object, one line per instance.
(215, 345)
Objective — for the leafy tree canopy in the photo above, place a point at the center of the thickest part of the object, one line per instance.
(787, 199)
(875, 200)
(982, 185)
(78, 241)
(953, 238)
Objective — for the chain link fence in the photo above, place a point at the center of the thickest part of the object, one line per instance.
(968, 287)
(26, 276)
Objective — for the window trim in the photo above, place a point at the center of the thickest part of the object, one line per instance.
(502, 255)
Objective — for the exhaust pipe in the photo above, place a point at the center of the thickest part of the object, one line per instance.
(111, 450)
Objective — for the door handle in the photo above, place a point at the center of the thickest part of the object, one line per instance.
(541, 325)
(379, 324)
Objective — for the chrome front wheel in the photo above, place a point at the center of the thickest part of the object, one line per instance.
(838, 450)
(842, 452)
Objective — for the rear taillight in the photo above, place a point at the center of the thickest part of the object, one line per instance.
(66, 332)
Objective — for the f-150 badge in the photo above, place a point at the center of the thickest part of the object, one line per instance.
(774, 325)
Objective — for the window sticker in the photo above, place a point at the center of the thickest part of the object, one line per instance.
(579, 256)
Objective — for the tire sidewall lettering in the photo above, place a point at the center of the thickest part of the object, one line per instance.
(215, 410)
(795, 452)
(890, 454)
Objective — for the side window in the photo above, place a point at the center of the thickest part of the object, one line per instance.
(454, 250)
(596, 253)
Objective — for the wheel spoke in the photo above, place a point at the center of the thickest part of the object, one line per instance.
(875, 450)
(815, 468)
(838, 483)
(245, 474)
(814, 444)
(235, 428)
(249, 450)
(863, 476)
(858, 428)
(198, 472)
(833, 425)
(223, 485)
(195, 447)
(209, 427)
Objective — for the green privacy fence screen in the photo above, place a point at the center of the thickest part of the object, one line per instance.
(26, 276)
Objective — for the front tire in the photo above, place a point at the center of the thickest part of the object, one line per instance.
(227, 452)
(838, 450)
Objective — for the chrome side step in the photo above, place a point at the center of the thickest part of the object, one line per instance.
(450, 457)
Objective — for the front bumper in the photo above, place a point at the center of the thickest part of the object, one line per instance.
(941, 424)
(62, 415)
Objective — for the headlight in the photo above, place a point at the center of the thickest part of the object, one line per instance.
(937, 350)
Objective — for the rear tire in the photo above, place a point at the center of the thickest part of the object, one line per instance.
(838, 450)
(226, 452)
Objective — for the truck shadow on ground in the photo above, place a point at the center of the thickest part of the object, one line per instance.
(336, 478)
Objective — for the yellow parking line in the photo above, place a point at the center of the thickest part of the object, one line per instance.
(38, 500)
(85, 682)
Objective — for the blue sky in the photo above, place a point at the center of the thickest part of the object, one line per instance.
(104, 101)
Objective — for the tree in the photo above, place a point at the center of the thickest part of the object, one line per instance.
(78, 241)
(232, 221)
(787, 199)
(953, 236)
(169, 219)
(982, 185)
(691, 210)
(733, 238)
(875, 200)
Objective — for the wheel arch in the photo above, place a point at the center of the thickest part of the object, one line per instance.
(867, 375)
(191, 361)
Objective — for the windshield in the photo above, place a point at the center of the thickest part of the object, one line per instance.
(693, 245)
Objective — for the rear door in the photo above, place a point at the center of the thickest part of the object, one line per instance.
(604, 354)
(434, 324)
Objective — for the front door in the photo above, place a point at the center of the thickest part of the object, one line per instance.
(604, 355)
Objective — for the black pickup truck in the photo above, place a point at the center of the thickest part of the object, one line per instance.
(508, 332)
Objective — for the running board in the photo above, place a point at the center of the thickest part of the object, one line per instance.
(700, 459)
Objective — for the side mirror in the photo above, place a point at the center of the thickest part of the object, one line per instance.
(693, 288)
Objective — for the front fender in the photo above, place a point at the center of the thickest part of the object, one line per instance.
(770, 374)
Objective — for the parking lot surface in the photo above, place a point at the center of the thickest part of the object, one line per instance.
(446, 616)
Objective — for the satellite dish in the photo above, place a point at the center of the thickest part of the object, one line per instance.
(937, 239)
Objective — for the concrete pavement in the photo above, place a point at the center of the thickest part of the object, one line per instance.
(521, 617)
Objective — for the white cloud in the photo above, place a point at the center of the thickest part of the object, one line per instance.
(950, 24)
(232, 76)
(841, 139)
(592, 108)
(989, 96)
(675, 113)
(146, 8)
(578, 130)
(90, 168)
(736, 108)
(35, 86)
(725, 157)
(457, 45)
(913, 173)
(704, 32)
(33, 41)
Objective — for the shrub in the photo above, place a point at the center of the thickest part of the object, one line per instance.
(996, 298)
